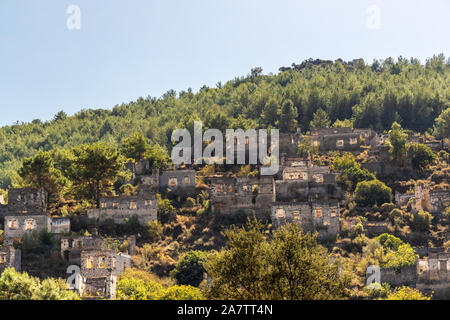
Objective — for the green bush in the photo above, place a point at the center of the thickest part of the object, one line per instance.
(154, 230)
(421, 156)
(369, 193)
(407, 293)
(190, 270)
(421, 221)
(351, 171)
(166, 211)
(389, 242)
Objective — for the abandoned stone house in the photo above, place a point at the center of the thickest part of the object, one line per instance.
(430, 274)
(10, 258)
(433, 201)
(72, 246)
(320, 216)
(434, 272)
(100, 269)
(342, 139)
(252, 195)
(17, 226)
(180, 182)
(24, 213)
(423, 198)
(25, 201)
(303, 183)
(143, 205)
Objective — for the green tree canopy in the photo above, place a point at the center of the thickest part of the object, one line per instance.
(190, 270)
(368, 193)
(320, 120)
(442, 126)
(398, 143)
(290, 266)
(20, 286)
(96, 168)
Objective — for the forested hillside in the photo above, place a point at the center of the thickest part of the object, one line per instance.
(373, 95)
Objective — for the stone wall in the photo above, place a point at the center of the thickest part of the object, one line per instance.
(321, 216)
(252, 195)
(406, 276)
(181, 182)
(25, 201)
(17, 226)
(144, 206)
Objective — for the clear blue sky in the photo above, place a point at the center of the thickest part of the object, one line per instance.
(133, 48)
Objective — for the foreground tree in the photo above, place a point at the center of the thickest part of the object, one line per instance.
(20, 286)
(290, 266)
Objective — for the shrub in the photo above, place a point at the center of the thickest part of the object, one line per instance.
(389, 242)
(407, 293)
(20, 286)
(190, 202)
(154, 230)
(351, 172)
(421, 221)
(387, 207)
(190, 270)
(402, 257)
(166, 211)
(373, 192)
(421, 155)
(181, 293)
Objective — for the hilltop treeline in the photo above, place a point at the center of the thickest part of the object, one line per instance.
(366, 95)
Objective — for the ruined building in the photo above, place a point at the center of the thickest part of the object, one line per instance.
(144, 205)
(26, 213)
(180, 182)
(434, 272)
(320, 216)
(433, 201)
(430, 274)
(72, 246)
(251, 195)
(309, 195)
(100, 269)
(342, 139)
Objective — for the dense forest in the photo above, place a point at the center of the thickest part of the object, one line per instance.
(364, 95)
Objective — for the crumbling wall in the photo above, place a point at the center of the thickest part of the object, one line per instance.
(321, 216)
(405, 276)
(17, 226)
(144, 206)
(27, 201)
(180, 182)
(252, 195)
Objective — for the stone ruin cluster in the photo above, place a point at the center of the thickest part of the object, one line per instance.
(299, 192)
